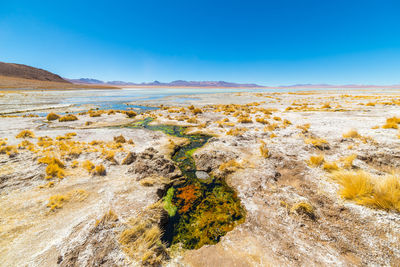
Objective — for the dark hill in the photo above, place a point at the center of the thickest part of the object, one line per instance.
(27, 72)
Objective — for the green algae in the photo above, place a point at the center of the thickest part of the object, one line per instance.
(200, 212)
(168, 205)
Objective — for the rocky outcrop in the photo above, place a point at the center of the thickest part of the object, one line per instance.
(211, 160)
(151, 163)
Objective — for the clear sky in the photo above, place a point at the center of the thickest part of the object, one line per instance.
(277, 42)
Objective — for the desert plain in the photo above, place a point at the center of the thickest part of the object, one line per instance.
(306, 178)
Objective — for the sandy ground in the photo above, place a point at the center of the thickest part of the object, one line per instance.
(337, 232)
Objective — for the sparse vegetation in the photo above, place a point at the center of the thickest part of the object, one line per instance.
(68, 117)
(100, 170)
(25, 134)
(330, 166)
(88, 165)
(316, 160)
(52, 116)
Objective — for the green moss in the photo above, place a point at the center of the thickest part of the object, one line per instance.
(168, 206)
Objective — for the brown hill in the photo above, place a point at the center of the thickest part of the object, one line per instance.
(27, 72)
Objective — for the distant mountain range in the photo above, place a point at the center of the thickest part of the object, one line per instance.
(178, 83)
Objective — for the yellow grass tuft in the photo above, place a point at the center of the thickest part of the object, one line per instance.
(68, 117)
(130, 114)
(52, 116)
(100, 170)
(316, 142)
(25, 134)
(316, 160)
(236, 131)
(264, 150)
(351, 134)
(54, 170)
(57, 201)
(354, 185)
(119, 139)
(229, 167)
(367, 190)
(88, 165)
(330, 166)
(348, 161)
(304, 128)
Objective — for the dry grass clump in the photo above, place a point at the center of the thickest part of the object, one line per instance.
(245, 119)
(55, 167)
(391, 123)
(25, 134)
(196, 111)
(25, 144)
(192, 120)
(317, 142)
(108, 217)
(93, 113)
(119, 139)
(88, 165)
(54, 170)
(142, 242)
(271, 127)
(68, 117)
(130, 114)
(11, 151)
(262, 120)
(264, 150)
(348, 161)
(368, 190)
(236, 131)
(351, 134)
(330, 166)
(57, 201)
(316, 160)
(99, 170)
(304, 208)
(304, 128)
(229, 167)
(52, 116)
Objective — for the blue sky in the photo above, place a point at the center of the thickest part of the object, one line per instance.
(276, 42)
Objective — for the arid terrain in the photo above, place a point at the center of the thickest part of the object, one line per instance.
(280, 179)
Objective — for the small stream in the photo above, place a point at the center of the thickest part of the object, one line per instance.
(200, 211)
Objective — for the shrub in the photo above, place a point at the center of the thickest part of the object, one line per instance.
(54, 170)
(51, 160)
(316, 160)
(196, 111)
(93, 113)
(100, 170)
(52, 116)
(25, 134)
(119, 139)
(68, 117)
(130, 114)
